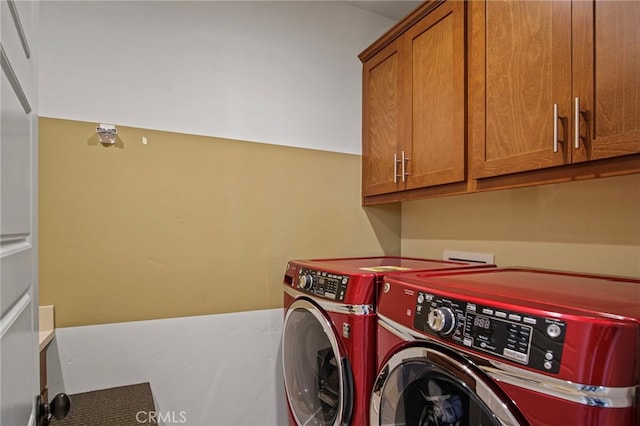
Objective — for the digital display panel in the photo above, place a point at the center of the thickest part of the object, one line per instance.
(482, 322)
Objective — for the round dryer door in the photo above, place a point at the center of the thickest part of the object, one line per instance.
(424, 386)
(317, 377)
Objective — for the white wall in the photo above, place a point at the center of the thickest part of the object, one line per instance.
(282, 73)
(219, 370)
(279, 72)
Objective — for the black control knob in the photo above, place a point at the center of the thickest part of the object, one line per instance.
(442, 320)
(305, 281)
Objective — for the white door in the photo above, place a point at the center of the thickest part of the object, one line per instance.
(19, 361)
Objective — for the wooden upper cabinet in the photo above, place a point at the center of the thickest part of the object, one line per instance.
(606, 78)
(520, 66)
(414, 102)
(532, 63)
(381, 120)
(435, 150)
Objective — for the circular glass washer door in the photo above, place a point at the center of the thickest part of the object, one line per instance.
(431, 387)
(317, 376)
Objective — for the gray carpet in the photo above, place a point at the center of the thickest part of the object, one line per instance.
(121, 406)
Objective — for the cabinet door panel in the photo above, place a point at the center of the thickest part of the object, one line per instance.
(381, 121)
(607, 78)
(437, 154)
(521, 67)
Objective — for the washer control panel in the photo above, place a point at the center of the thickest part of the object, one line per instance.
(321, 283)
(530, 340)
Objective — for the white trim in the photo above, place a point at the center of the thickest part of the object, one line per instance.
(14, 313)
(13, 79)
(13, 245)
(19, 28)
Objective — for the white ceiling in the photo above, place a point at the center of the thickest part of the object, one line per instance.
(392, 9)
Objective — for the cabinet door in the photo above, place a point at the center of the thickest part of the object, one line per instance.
(436, 149)
(606, 78)
(382, 117)
(520, 67)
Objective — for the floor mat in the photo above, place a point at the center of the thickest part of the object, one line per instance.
(122, 406)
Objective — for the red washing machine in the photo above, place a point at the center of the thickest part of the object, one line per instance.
(508, 346)
(328, 341)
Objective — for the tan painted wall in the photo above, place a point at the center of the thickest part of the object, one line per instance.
(189, 225)
(590, 226)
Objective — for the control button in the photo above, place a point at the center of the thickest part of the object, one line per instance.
(529, 320)
(471, 307)
(305, 281)
(514, 317)
(547, 365)
(467, 341)
(548, 356)
(508, 353)
(442, 320)
(387, 287)
(501, 314)
(553, 330)
(487, 311)
(519, 356)
(420, 298)
(344, 280)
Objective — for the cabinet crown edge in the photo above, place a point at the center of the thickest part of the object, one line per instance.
(398, 29)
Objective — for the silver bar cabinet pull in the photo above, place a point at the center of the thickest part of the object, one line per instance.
(576, 119)
(404, 161)
(555, 127)
(395, 168)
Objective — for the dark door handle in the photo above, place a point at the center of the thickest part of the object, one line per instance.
(58, 408)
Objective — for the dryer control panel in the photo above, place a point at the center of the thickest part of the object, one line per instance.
(531, 340)
(322, 283)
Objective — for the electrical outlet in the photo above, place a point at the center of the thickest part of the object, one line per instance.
(465, 256)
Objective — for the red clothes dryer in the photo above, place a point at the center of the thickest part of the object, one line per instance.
(328, 341)
(508, 346)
